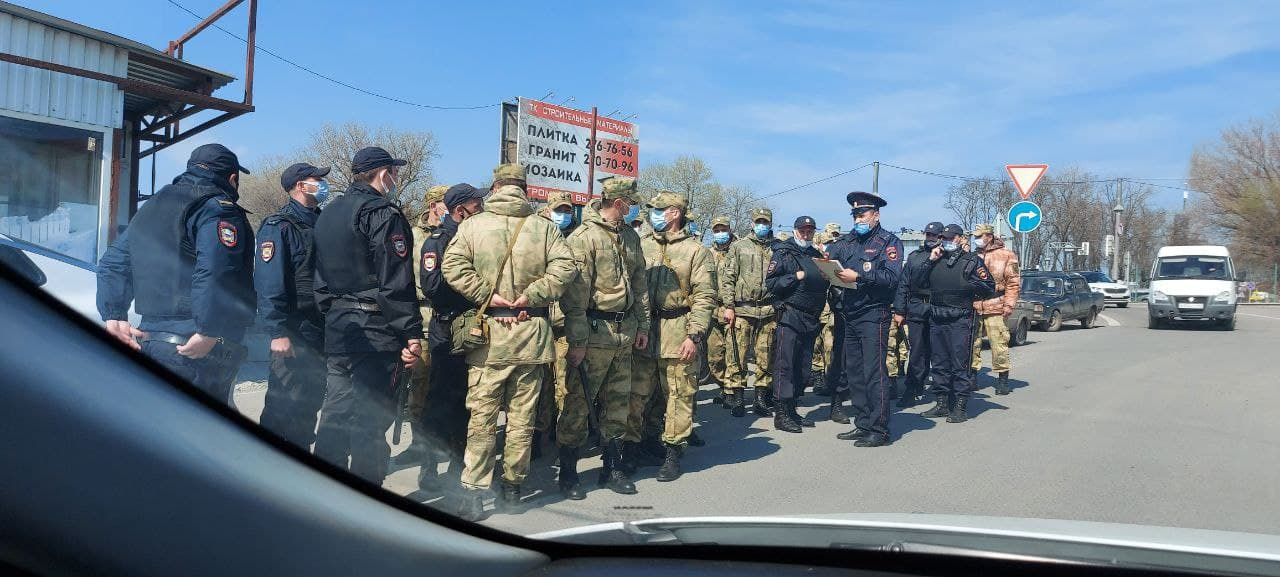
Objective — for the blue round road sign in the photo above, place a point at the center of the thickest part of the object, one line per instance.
(1025, 216)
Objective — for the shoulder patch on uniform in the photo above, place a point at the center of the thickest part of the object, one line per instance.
(227, 234)
(866, 266)
(428, 261)
(268, 250)
(399, 245)
(1014, 268)
(982, 273)
(892, 253)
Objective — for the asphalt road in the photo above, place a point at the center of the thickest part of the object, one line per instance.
(1117, 423)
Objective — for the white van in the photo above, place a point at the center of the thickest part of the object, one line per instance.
(1193, 283)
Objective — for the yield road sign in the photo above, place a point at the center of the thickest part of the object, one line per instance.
(1025, 216)
(1026, 176)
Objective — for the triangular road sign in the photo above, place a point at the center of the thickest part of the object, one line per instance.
(1026, 176)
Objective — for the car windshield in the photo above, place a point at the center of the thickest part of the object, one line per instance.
(703, 275)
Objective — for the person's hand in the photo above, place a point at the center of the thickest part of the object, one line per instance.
(848, 275)
(688, 350)
(642, 341)
(126, 333)
(897, 318)
(281, 348)
(1007, 312)
(410, 353)
(729, 317)
(197, 347)
(575, 356)
(799, 275)
(936, 253)
(521, 302)
(497, 302)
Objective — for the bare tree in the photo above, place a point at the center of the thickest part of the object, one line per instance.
(260, 192)
(335, 146)
(974, 202)
(690, 176)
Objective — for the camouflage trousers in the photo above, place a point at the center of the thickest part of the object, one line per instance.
(755, 339)
(822, 348)
(491, 389)
(898, 352)
(551, 396)
(997, 333)
(662, 391)
(608, 385)
(716, 352)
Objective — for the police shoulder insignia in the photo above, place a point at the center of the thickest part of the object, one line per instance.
(399, 245)
(428, 261)
(892, 253)
(227, 234)
(268, 250)
(866, 266)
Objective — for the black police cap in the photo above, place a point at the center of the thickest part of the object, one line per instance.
(860, 201)
(934, 227)
(460, 193)
(373, 157)
(952, 230)
(300, 172)
(805, 221)
(215, 158)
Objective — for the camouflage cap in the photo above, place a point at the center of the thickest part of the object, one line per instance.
(509, 172)
(759, 213)
(436, 194)
(666, 199)
(720, 220)
(558, 199)
(616, 187)
(784, 236)
(831, 228)
(983, 228)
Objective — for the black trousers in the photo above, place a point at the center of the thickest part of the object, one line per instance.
(865, 347)
(792, 361)
(295, 391)
(444, 412)
(951, 352)
(359, 407)
(918, 356)
(835, 371)
(214, 373)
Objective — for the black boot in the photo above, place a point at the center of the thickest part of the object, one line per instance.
(695, 440)
(733, 400)
(818, 379)
(942, 409)
(795, 414)
(762, 405)
(854, 435)
(428, 473)
(893, 388)
(837, 409)
(630, 456)
(651, 452)
(509, 498)
(613, 476)
(471, 507)
(769, 402)
(570, 485)
(670, 469)
(535, 446)
(910, 396)
(1002, 384)
(782, 421)
(872, 440)
(958, 410)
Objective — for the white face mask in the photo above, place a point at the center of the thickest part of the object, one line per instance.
(802, 243)
(979, 242)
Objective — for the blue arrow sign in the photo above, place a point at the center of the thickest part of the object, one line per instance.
(1025, 216)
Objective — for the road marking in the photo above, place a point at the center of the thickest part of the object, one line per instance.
(1110, 321)
(1258, 316)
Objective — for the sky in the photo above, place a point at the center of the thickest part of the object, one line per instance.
(771, 94)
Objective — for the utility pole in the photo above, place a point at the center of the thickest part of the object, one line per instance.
(875, 177)
(1115, 247)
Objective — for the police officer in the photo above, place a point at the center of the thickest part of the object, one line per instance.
(445, 413)
(871, 258)
(911, 307)
(801, 291)
(955, 278)
(284, 276)
(186, 265)
(365, 289)
(420, 373)
(520, 266)
(1002, 263)
(749, 314)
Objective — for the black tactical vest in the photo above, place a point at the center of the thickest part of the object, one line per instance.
(948, 285)
(342, 251)
(163, 257)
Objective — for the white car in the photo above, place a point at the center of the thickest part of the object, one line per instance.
(1115, 293)
(73, 282)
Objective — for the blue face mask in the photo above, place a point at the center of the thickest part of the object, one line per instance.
(562, 219)
(322, 191)
(693, 228)
(950, 246)
(658, 218)
(720, 237)
(861, 228)
(762, 230)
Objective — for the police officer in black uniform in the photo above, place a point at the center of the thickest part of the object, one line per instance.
(186, 264)
(801, 291)
(911, 306)
(445, 414)
(955, 278)
(872, 258)
(364, 288)
(283, 276)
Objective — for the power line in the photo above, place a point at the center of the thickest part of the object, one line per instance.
(824, 179)
(264, 50)
(989, 180)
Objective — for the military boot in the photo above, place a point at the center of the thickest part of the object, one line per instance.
(837, 409)
(762, 405)
(695, 440)
(792, 409)
(471, 506)
(942, 409)
(818, 379)
(893, 388)
(782, 421)
(670, 469)
(1002, 383)
(509, 498)
(613, 476)
(630, 453)
(733, 400)
(429, 473)
(570, 485)
(958, 414)
(651, 452)
(910, 396)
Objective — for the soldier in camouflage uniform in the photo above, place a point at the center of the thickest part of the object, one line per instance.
(606, 318)
(749, 313)
(721, 239)
(506, 372)
(419, 381)
(681, 294)
(558, 210)
(896, 361)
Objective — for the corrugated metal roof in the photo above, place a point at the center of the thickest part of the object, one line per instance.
(144, 62)
(48, 94)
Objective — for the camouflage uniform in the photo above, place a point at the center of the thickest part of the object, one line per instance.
(716, 341)
(422, 368)
(742, 289)
(604, 312)
(550, 399)
(506, 372)
(1005, 271)
(681, 294)
(898, 352)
